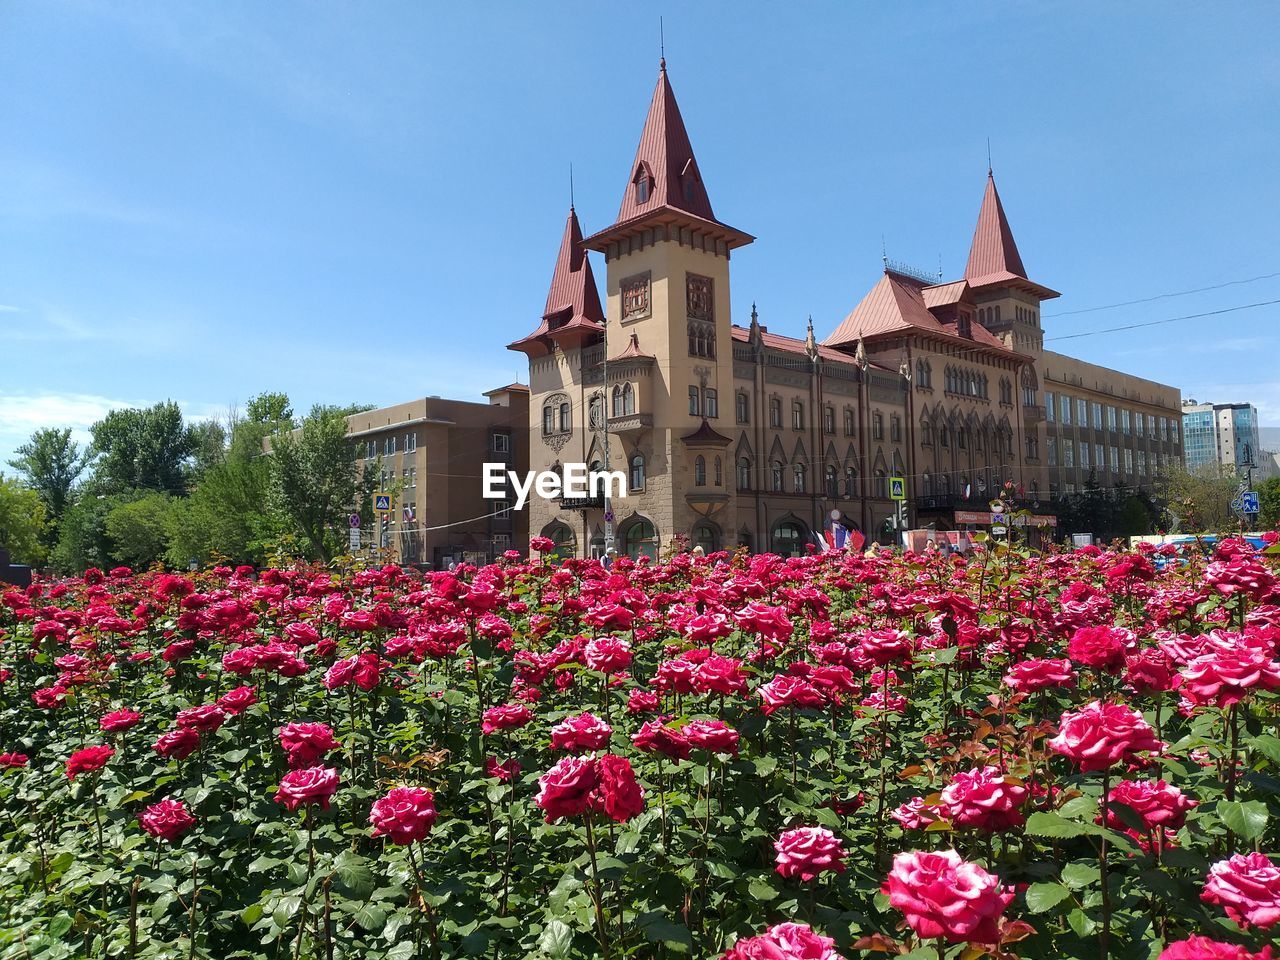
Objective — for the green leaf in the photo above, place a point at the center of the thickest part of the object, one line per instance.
(759, 890)
(133, 797)
(1080, 923)
(286, 907)
(60, 924)
(945, 655)
(401, 951)
(766, 765)
(1246, 819)
(1051, 825)
(371, 917)
(556, 939)
(1046, 896)
(354, 874)
(1077, 875)
(659, 929)
(1268, 745)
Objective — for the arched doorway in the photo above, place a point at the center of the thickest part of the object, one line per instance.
(706, 535)
(789, 538)
(640, 538)
(564, 539)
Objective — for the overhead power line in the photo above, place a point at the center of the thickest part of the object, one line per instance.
(1155, 323)
(1160, 296)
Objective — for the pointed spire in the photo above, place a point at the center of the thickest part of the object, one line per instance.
(573, 287)
(993, 250)
(664, 172)
(810, 341)
(860, 354)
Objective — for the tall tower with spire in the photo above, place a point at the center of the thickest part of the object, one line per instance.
(667, 260)
(1008, 302)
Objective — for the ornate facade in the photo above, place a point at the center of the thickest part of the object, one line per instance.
(734, 435)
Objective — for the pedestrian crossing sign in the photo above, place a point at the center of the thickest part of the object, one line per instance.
(382, 502)
(897, 488)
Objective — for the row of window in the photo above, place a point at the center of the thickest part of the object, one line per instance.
(1100, 457)
(1058, 408)
(1003, 440)
(389, 446)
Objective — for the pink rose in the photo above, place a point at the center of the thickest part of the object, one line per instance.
(88, 760)
(1247, 886)
(786, 941)
(566, 788)
(405, 814)
(714, 736)
(307, 743)
(1102, 647)
(177, 744)
(607, 655)
(1030, 676)
(1202, 948)
(1101, 735)
(237, 701)
(984, 798)
(618, 794)
(314, 785)
(807, 852)
(941, 895)
(1224, 677)
(581, 733)
(507, 716)
(118, 720)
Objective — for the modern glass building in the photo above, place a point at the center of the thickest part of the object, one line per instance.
(1223, 433)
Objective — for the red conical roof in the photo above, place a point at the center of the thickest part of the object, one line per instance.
(993, 256)
(665, 158)
(573, 302)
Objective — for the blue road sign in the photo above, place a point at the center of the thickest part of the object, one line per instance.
(382, 501)
(353, 521)
(1249, 501)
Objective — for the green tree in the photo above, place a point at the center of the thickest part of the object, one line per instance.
(1269, 504)
(138, 530)
(227, 516)
(209, 446)
(82, 535)
(142, 449)
(316, 479)
(265, 415)
(22, 522)
(50, 463)
(1200, 502)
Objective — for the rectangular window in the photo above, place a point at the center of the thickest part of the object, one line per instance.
(501, 443)
(1068, 452)
(1115, 459)
(829, 420)
(1099, 460)
(742, 407)
(410, 442)
(711, 403)
(1082, 412)
(1048, 407)
(848, 422)
(371, 450)
(1128, 461)
(695, 405)
(1052, 451)
(1111, 418)
(797, 415)
(409, 511)
(501, 542)
(1096, 410)
(1084, 455)
(775, 412)
(502, 509)
(389, 446)
(1066, 410)
(1124, 422)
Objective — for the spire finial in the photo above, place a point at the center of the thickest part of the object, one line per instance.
(662, 47)
(988, 156)
(884, 253)
(570, 185)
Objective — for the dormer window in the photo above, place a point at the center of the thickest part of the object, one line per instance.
(643, 184)
(962, 324)
(688, 181)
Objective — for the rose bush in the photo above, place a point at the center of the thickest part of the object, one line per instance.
(822, 757)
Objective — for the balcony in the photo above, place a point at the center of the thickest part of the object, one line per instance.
(630, 423)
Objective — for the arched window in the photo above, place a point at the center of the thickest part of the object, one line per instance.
(798, 472)
(628, 400)
(877, 426)
(850, 482)
(744, 474)
(719, 475)
(775, 470)
(548, 419)
(833, 482)
(700, 471)
(706, 536)
(926, 432)
(797, 415)
(962, 438)
(640, 539)
(566, 422)
(848, 421)
(895, 428)
(742, 407)
(643, 184)
(882, 484)
(788, 539)
(560, 534)
(637, 472)
(616, 402)
(775, 412)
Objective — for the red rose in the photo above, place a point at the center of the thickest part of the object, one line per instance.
(785, 690)
(1224, 677)
(581, 733)
(207, 717)
(719, 674)
(656, 737)
(118, 720)
(1101, 647)
(88, 760)
(14, 761)
(808, 852)
(566, 788)
(618, 794)
(502, 771)
(941, 895)
(405, 814)
(1101, 735)
(177, 744)
(507, 716)
(307, 743)
(168, 820)
(307, 787)
(642, 701)
(1156, 802)
(237, 701)
(607, 655)
(1247, 886)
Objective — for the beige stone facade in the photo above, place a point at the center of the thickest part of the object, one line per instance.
(732, 435)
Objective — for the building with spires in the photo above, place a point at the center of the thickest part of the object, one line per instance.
(732, 435)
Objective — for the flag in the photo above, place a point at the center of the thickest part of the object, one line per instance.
(856, 540)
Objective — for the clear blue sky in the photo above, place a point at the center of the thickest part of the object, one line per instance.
(201, 201)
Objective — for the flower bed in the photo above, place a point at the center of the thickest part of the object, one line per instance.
(831, 756)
